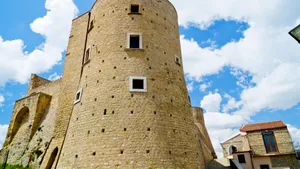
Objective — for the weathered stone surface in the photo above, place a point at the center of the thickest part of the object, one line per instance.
(153, 129)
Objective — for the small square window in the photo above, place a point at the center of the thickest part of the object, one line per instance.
(135, 9)
(177, 60)
(78, 96)
(134, 41)
(138, 84)
(242, 158)
(87, 55)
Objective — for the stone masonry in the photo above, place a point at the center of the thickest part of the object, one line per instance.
(111, 126)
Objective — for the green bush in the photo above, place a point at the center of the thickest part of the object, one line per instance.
(13, 167)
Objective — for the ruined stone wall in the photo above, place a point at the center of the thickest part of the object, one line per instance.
(112, 127)
(36, 81)
(283, 139)
(207, 147)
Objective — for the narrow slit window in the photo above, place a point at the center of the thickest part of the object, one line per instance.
(135, 9)
(138, 84)
(78, 96)
(87, 55)
(177, 60)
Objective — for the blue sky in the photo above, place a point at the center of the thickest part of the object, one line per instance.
(232, 60)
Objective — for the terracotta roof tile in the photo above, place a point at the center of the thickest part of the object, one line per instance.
(263, 126)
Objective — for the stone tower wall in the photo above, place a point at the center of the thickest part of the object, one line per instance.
(153, 129)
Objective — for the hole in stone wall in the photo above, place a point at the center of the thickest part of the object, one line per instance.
(135, 9)
(113, 112)
(151, 21)
(76, 156)
(114, 77)
(154, 112)
(122, 151)
(166, 64)
(89, 132)
(131, 112)
(125, 58)
(95, 99)
(99, 71)
(102, 61)
(131, 95)
(93, 114)
(174, 130)
(149, 129)
(104, 112)
(103, 130)
(185, 153)
(170, 152)
(132, 18)
(171, 100)
(147, 59)
(121, 46)
(125, 129)
(94, 153)
(147, 151)
(153, 97)
(77, 119)
(103, 14)
(150, 68)
(170, 115)
(115, 67)
(156, 14)
(112, 96)
(97, 81)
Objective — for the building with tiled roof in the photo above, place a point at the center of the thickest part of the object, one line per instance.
(266, 145)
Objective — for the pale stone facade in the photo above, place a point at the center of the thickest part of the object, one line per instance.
(109, 125)
(252, 147)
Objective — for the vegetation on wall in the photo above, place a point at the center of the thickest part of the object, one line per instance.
(2, 166)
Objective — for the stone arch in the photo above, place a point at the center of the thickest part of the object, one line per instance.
(232, 149)
(21, 118)
(52, 158)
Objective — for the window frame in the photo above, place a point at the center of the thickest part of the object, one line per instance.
(179, 60)
(140, 35)
(89, 56)
(243, 160)
(80, 95)
(270, 134)
(131, 78)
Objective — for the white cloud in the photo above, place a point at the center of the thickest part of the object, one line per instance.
(211, 102)
(55, 27)
(3, 131)
(231, 104)
(190, 86)
(204, 86)
(54, 77)
(266, 58)
(2, 99)
(295, 133)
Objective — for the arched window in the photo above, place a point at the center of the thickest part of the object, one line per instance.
(20, 120)
(232, 149)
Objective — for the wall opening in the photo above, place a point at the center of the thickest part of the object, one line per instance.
(138, 84)
(20, 120)
(134, 41)
(52, 158)
(135, 9)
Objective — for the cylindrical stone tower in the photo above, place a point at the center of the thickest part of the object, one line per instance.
(132, 108)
